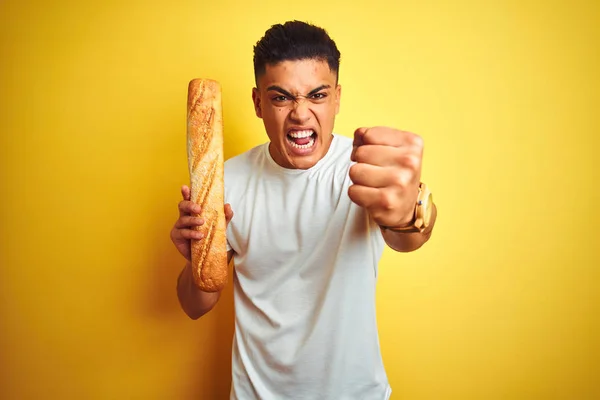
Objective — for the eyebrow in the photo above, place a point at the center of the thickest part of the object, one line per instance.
(288, 94)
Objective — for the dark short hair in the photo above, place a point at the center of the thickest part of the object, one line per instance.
(295, 40)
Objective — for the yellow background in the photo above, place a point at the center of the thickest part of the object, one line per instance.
(502, 303)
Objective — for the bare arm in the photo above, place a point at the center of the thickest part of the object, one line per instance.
(407, 242)
(195, 302)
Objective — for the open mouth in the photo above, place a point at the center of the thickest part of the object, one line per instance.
(302, 140)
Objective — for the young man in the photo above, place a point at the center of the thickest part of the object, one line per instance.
(313, 211)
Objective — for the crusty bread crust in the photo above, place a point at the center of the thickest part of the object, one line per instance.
(205, 160)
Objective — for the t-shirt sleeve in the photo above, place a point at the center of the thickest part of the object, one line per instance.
(225, 198)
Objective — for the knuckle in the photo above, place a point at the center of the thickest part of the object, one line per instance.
(181, 223)
(387, 200)
(412, 161)
(417, 140)
(405, 180)
(185, 207)
(398, 180)
(400, 158)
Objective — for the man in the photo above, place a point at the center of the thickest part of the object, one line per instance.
(312, 213)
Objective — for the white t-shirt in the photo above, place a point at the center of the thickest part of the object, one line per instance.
(304, 280)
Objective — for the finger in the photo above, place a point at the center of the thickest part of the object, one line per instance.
(228, 213)
(179, 235)
(185, 192)
(364, 196)
(188, 221)
(190, 234)
(390, 137)
(187, 207)
(387, 156)
(359, 135)
(381, 204)
(377, 177)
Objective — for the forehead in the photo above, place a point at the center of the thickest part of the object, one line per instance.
(299, 75)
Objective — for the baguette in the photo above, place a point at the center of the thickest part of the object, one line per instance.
(205, 161)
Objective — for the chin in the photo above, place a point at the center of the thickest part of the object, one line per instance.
(303, 162)
(303, 148)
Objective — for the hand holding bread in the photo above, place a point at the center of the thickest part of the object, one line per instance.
(186, 226)
(202, 219)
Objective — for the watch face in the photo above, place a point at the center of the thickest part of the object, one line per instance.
(428, 209)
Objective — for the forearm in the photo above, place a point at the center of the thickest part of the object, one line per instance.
(194, 302)
(407, 242)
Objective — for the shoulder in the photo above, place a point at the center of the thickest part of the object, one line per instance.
(242, 162)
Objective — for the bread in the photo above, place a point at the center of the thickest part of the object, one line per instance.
(205, 161)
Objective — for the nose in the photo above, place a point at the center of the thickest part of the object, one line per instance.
(301, 111)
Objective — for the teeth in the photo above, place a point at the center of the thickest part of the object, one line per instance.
(301, 134)
(310, 143)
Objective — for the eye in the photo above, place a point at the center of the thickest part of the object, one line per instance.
(318, 96)
(280, 99)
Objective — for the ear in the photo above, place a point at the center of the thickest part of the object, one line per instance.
(338, 95)
(257, 102)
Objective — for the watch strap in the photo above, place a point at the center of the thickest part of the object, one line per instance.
(418, 222)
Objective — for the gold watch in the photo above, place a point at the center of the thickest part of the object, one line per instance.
(423, 211)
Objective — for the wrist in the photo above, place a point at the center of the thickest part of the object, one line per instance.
(421, 215)
(407, 221)
(400, 226)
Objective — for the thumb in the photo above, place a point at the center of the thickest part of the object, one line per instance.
(185, 192)
(358, 141)
(358, 136)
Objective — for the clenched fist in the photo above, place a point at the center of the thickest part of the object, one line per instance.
(387, 174)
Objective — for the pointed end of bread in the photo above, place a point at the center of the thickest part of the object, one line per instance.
(213, 274)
